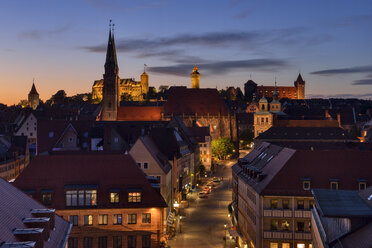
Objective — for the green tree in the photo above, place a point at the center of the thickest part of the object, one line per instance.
(59, 98)
(222, 148)
(152, 93)
(246, 137)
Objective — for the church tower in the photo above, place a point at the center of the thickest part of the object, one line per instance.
(300, 86)
(110, 98)
(195, 78)
(33, 97)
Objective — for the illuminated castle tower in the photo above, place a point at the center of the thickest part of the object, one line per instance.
(195, 78)
(145, 83)
(300, 86)
(33, 97)
(110, 98)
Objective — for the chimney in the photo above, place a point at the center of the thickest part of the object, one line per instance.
(47, 213)
(41, 222)
(30, 234)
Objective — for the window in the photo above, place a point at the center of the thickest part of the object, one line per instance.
(132, 241)
(274, 204)
(85, 134)
(31, 134)
(300, 204)
(102, 242)
(134, 197)
(117, 242)
(262, 120)
(146, 241)
(117, 219)
(88, 220)
(300, 226)
(286, 245)
(145, 165)
(47, 198)
(72, 242)
(267, 120)
(274, 225)
(114, 197)
(102, 219)
(300, 246)
(306, 185)
(334, 185)
(86, 198)
(132, 218)
(74, 220)
(116, 140)
(139, 165)
(88, 242)
(362, 185)
(273, 245)
(285, 225)
(285, 204)
(146, 218)
(70, 140)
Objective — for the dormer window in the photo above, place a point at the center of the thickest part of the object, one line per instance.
(333, 184)
(134, 197)
(362, 184)
(306, 184)
(114, 197)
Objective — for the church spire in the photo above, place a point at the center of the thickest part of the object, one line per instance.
(111, 64)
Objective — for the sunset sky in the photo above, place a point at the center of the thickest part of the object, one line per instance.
(62, 44)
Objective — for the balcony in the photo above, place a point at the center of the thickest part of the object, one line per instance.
(287, 213)
(302, 214)
(278, 234)
(302, 235)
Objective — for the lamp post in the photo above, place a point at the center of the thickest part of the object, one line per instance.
(225, 226)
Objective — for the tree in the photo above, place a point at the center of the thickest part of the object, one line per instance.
(239, 95)
(126, 97)
(59, 98)
(246, 137)
(152, 93)
(23, 103)
(222, 148)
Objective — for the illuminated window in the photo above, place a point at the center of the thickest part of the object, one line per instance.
(87, 198)
(285, 204)
(134, 197)
(274, 204)
(285, 225)
(286, 245)
(118, 219)
(300, 204)
(273, 245)
(300, 245)
(114, 197)
(102, 219)
(146, 218)
(88, 220)
(132, 218)
(274, 225)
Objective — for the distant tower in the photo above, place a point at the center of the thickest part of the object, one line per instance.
(110, 98)
(33, 97)
(300, 86)
(275, 105)
(263, 119)
(145, 81)
(195, 78)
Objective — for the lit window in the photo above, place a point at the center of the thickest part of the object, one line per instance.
(274, 225)
(286, 245)
(274, 204)
(273, 245)
(114, 197)
(132, 218)
(88, 220)
(285, 225)
(102, 219)
(146, 218)
(300, 245)
(81, 198)
(118, 219)
(306, 185)
(134, 197)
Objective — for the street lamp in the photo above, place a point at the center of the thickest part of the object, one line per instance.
(225, 232)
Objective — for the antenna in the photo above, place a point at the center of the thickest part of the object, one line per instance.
(113, 27)
(144, 67)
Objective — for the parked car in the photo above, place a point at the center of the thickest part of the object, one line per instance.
(216, 179)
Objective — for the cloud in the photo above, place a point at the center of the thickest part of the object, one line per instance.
(40, 34)
(122, 5)
(220, 67)
(346, 95)
(351, 70)
(363, 82)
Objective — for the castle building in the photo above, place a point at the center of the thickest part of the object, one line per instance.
(33, 97)
(195, 78)
(252, 91)
(136, 90)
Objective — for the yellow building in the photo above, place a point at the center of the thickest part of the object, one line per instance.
(128, 86)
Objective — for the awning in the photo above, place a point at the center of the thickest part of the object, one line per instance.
(233, 233)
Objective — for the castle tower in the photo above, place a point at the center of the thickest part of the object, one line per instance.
(145, 83)
(195, 78)
(33, 97)
(110, 98)
(263, 119)
(300, 86)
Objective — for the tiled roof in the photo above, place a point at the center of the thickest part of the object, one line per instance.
(199, 133)
(15, 207)
(195, 101)
(140, 113)
(304, 133)
(306, 123)
(105, 170)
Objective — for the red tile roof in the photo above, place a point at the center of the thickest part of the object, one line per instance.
(105, 170)
(140, 113)
(195, 101)
(15, 206)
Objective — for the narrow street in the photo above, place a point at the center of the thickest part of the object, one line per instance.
(202, 224)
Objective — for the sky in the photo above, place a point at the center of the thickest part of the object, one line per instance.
(62, 44)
